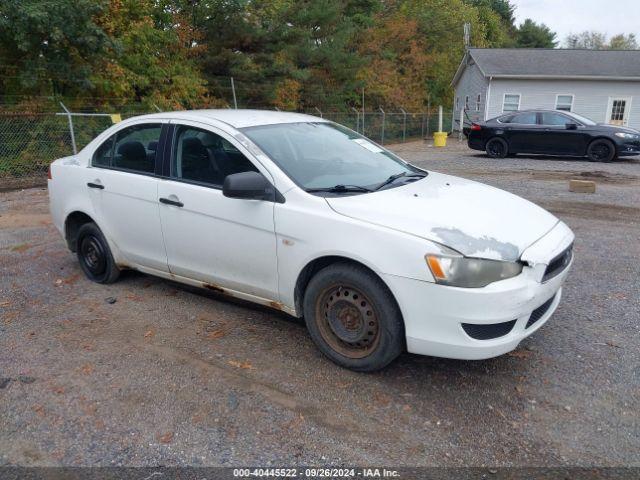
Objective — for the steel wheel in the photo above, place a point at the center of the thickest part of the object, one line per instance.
(348, 321)
(93, 255)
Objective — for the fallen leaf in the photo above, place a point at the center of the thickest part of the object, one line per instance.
(72, 279)
(23, 247)
(39, 409)
(58, 390)
(149, 334)
(216, 334)
(58, 282)
(5, 303)
(166, 438)
(611, 344)
(244, 365)
(520, 353)
(87, 369)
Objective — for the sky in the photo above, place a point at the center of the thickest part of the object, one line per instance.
(574, 16)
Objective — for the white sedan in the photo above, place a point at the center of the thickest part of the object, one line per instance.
(309, 217)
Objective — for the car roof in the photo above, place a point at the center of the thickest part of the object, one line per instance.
(237, 118)
(531, 110)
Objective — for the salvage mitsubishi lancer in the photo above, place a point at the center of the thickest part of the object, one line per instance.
(308, 217)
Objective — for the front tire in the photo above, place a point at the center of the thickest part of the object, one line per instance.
(497, 148)
(601, 150)
(95, 256)
(353, 318)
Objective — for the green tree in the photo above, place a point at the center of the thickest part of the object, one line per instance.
(533, 35)
(49, 46)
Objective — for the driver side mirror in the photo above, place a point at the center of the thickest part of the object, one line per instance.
(571, 126)
(249, 186)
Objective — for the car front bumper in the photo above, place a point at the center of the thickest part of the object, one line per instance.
(434, 314)
(626, 149)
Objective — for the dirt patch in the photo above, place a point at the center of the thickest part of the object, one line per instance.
(22, 220)
(594, 211)
(597, 176)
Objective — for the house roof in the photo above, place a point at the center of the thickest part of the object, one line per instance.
(554, 63)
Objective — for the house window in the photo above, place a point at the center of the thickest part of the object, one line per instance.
(466, 102)
(478, 102)
(511, 102)
(564, 102)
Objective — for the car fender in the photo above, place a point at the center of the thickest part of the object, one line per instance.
(301, 241)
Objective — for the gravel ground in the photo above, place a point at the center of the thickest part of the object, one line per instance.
(170, 375)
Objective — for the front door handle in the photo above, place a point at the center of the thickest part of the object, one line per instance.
(175, 203)
(95, 185)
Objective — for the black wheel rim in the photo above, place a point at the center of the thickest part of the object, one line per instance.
(600, 151)
(496, 149)
(348, 321)
(93, 255)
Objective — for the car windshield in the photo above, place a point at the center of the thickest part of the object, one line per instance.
(581, 119)
(324, 155)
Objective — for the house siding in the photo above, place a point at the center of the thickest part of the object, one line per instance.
(591, 98)
(472, 83)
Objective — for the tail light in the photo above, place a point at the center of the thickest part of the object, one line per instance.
(475, 127)
(49, 173)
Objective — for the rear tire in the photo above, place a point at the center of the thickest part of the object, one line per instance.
(601, 150)
(353, 318)
(95, 256)
(496, 147)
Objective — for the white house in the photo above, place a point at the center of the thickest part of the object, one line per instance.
(603, 85)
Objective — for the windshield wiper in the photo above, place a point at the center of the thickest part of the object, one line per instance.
(340, 189)
(395, 177)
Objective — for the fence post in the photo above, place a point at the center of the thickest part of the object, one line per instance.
(460, 135)
(73, 136)
(233, 89)
(363, 111)
(357, 119)
(404, 125)
(383, 120)
(428, 122)
(440, 118)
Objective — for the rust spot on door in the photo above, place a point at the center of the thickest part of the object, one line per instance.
(276, 305)
(215, 288)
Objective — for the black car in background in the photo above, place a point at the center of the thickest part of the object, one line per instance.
(552, 132)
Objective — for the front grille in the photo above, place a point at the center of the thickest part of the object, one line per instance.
(558, 264)
(539, 312)
(488, 331)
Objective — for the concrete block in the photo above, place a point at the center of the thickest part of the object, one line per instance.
(582, 186)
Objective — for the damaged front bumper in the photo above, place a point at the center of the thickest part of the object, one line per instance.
(462, 323)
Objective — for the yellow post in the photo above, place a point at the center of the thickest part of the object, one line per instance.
(440, 139)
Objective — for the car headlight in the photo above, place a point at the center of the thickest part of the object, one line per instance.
(627, 136)
(458, 271)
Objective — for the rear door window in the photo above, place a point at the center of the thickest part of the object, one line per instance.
(133, 149)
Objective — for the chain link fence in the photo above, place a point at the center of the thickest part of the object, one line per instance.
(30, 141)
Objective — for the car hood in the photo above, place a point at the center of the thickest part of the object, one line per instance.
(617, 128)
(474, 219)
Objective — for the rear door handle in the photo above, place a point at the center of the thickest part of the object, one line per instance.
(95, 185)
(175, 203)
